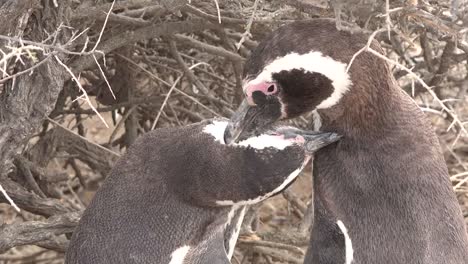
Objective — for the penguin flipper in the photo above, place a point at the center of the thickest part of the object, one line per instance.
(327, 243)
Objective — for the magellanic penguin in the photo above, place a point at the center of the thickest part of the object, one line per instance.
(178, 195)
(382, 193)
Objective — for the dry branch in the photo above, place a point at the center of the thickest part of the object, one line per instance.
(128, 37)
(36, 231)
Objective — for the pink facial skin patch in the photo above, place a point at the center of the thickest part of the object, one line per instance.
(300, 140)
(266, 88)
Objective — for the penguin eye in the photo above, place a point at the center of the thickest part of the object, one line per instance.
(271, 89)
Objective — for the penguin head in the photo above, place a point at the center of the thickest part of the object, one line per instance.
(275, 139)
(255, 168)
(301, 67)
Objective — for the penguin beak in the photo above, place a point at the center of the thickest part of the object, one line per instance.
(239, 120)
(313, 140)
(251, 120)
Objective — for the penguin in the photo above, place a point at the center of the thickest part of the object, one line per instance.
(178, 196)
(382, 193)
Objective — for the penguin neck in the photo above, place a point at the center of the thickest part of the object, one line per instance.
(366, 113)
(372, 105)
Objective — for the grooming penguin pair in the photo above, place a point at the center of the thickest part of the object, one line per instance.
(178, 195)
(382, 193)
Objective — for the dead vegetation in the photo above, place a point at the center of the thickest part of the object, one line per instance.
(80, 80)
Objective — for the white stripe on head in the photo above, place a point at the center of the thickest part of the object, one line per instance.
(348, 245)
(178, 256)
(313, 61)
(216, 129)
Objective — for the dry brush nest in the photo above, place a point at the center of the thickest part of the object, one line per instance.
(80, 80)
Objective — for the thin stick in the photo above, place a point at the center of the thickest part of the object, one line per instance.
(249, 25)
(28, 69)
(458, 185)
(104, 76)
(456, 176)
(429, 90)
(121, 122)
(103, 27)
(82, 138)
(167, 84)
(165, 101)
(84, 95)
(369, 41)
(12, 203)
(218, 10)
(387, 17)
(271, 244)
(455, 118)
(169, 94)
(43, 45)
